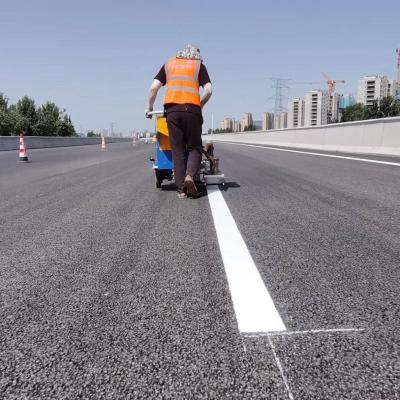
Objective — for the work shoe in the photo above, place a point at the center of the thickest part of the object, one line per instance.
(191, 189)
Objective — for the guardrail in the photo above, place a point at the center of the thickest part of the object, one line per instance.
(377, 136)
(40, 142)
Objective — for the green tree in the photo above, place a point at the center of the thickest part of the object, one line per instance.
(3, 102)
(92, 134)
(6, 122)
(249, 128)
(389, 107)
(51, 121)
(373, 111)
(25, 115)
(386, 107)
(220, 130)
(48, 116)
(65, 127)
(355, 112)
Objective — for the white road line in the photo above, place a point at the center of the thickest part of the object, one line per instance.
(254, 307)
(308, 332)
(316, 154)
(278, 363)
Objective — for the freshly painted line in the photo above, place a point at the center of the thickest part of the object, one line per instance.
(315, 154)
(254, 307)
(278, 363)
(312, 331)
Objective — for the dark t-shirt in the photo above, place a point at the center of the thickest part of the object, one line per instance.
(204, 78)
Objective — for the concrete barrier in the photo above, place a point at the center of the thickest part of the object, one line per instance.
(377, 136)
(40, 142)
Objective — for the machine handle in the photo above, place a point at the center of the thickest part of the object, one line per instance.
(156, 112)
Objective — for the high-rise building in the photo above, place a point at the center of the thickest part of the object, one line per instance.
(227, 124)
(247, 121)
(237, 126)
(284, 120)
(398, 64)
(267, 121)
(316, 108)
(281, 121)
(296, 113)
(397, 89)
(346, 100)
(333, 110)
(371, 88)
(392, 87)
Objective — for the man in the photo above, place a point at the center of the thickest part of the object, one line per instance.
(183, 75)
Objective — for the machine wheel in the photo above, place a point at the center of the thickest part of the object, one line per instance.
(158, 179)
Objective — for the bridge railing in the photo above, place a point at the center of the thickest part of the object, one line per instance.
(378, 136)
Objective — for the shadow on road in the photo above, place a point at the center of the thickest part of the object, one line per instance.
(229, 185)
(171, 187)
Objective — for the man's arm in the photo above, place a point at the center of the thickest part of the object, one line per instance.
(206, 94)
(159, 81)
(154, 88)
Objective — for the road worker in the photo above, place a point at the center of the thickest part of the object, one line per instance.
(183, 75)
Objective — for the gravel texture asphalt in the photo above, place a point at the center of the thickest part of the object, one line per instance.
(112, 289)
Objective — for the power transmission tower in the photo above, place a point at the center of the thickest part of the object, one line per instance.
(279, 84)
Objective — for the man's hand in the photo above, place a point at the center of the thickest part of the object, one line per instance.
(146, 113)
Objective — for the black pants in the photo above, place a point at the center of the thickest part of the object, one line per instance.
(185, 135)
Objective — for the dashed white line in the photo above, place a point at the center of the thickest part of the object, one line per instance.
(315, 154)
(254, 307)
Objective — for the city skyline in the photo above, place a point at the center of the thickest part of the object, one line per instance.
(328, 103)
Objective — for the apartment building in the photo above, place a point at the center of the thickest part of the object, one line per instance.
(396, 86)
(393, 88)
(333, 110)
(346, 100)
(296, 113)
(237, 126)
(371, 88)
(316, 108)
(267, 121)
(247, 120)
(281, 121)
(227, 124)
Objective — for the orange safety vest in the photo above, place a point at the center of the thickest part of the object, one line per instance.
(182, 81)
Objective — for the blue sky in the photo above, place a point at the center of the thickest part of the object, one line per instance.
(97, 58)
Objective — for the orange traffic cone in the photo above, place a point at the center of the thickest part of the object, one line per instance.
(103, 143)
(23, 157)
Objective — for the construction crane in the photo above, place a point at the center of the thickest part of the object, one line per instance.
(330, 82)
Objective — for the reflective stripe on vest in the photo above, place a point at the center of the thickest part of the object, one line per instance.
(182, 81)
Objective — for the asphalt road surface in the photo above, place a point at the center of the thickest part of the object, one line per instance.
(112, 289)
